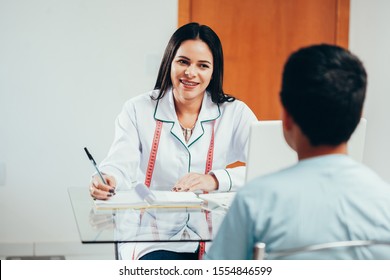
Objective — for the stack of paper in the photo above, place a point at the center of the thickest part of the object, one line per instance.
(223, 199)
(131, 199)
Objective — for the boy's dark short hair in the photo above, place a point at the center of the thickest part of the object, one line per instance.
(323, 89)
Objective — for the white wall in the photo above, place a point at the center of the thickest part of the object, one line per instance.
(370, 40)
(66, 68)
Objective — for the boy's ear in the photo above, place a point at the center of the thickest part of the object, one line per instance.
(286, 120)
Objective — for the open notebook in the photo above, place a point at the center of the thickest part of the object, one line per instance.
(142, 197)
(269, 152)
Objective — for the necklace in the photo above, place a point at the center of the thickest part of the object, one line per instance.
(187, 132)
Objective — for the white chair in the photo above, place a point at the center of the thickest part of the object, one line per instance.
(261, 254)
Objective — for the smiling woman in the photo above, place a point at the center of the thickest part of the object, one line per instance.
(191, 72)
(181, 135)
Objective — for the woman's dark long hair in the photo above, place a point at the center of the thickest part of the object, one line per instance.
(192, 31)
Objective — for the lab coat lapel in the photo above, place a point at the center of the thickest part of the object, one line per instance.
(208, 113)
(166, 112)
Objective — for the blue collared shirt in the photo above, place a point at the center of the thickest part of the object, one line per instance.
(322, 199)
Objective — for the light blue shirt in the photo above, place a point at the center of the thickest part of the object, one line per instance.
(318, 200)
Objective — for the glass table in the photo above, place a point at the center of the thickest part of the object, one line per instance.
(143, 225)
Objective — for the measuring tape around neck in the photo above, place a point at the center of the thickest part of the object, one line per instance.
(153, 153)
(154, 149)
(209, 165)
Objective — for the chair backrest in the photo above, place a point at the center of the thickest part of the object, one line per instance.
(260, 253)
(269, 152)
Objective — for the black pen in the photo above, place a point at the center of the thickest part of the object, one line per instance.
(94, 164)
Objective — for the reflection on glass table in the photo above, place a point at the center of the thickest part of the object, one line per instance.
(143, 225)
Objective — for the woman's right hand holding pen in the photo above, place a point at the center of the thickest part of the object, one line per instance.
(100, 190)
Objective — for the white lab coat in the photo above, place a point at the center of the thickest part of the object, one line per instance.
(128, 156)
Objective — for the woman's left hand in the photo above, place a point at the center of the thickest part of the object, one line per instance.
(195, 181)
